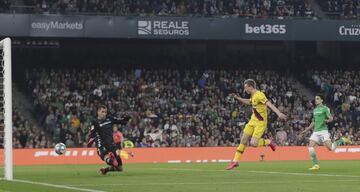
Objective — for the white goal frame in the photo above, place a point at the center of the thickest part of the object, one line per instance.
(5, 46)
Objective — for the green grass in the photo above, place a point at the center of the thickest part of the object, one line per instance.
(334, 176)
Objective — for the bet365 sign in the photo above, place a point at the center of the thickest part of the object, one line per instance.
(265, 29)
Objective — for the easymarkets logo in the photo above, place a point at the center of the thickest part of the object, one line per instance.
(57, 25)
(164, 28)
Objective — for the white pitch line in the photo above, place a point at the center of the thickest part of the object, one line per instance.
(214, 183)
(55, 186)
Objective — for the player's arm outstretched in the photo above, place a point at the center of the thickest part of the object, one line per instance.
(123, 120)
(311, 126)
(242, 100)
(276, 110)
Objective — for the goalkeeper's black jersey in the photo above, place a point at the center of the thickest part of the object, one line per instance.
(102, 130)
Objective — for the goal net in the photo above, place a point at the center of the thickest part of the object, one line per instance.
(6, 160)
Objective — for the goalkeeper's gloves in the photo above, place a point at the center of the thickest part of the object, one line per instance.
(125, 119)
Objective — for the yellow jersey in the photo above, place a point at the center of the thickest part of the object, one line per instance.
(258, 102)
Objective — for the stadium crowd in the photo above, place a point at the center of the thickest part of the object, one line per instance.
(4, 5)
(229, 8)
(345, 9)
(169, 107)
(27, 135)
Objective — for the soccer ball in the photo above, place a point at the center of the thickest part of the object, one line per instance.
(60, 148)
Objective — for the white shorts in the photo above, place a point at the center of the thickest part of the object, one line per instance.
(320, 136)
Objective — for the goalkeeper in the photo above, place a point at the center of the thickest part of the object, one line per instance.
(102, 134)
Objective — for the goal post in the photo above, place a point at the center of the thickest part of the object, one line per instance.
(6, 106)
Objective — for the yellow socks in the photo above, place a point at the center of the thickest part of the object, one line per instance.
(240, 150)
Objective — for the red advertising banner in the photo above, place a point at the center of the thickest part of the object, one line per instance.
(180, 155)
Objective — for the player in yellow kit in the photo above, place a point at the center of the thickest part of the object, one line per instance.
(258, 121)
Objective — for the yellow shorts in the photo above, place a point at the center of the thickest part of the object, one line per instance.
(255, 128)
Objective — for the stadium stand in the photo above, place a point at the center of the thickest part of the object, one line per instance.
(342, 9)
(5, 5)
(27, 135)
(221, 8)
(170, 107)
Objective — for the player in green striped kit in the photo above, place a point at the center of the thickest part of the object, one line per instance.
(321, 116)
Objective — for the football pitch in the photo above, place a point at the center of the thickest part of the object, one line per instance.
(249, 176)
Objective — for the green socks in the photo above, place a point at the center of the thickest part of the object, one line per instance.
(313, 155)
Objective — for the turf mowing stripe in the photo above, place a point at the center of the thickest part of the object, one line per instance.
(55, 186)
(214, 183)
(266, 172)
(304, 174)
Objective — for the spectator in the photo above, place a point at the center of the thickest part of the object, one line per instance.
(281, 137)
